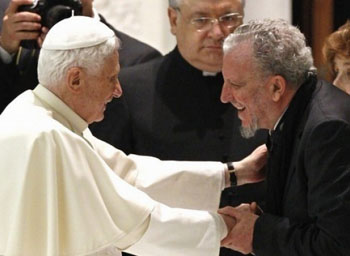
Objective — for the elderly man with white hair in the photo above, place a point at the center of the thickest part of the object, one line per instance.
(64, 192)
(18, 64)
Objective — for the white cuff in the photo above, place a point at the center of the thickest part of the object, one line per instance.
(223, 182)
(174, 231)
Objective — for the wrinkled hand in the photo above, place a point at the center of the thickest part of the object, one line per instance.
(251, 168)
(241, 236)
(229, 221)
(18, 26)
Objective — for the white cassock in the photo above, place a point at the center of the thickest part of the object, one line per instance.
(63, 192)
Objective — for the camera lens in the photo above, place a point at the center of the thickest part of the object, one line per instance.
(51, 12)
(56, 14)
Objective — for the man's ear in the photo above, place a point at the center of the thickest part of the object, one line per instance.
(277, 87)
(172, 15)
(74, 79)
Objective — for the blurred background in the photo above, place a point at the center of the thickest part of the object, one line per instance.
(147, 20)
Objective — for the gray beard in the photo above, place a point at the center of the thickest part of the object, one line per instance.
(248, 132)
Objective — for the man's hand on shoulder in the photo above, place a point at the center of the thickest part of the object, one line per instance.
(251, 168)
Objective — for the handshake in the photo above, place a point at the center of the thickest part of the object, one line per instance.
(240, 220)
(240, 223)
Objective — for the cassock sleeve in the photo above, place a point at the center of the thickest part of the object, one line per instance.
(178, 232)
(181, 184)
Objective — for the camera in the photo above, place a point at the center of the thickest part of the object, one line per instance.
(51, 12)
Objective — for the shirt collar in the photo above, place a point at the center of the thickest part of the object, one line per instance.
(278, 121)
(73, 121)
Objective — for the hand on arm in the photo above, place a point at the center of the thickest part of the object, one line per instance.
(251, 168)
(18, 26)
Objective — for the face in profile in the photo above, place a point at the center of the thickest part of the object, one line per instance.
(100, 89)
(200, 27)
(245, 90)
(342, 72)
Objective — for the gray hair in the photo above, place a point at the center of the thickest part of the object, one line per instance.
(176, 3)
(278, 49)
(54, 64)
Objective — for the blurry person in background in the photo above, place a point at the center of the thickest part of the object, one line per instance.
(18, 65)
(336, 51)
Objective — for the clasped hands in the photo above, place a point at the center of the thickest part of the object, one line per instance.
(240, 220)
(240, 223)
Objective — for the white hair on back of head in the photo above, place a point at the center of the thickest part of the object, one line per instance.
(54, 64)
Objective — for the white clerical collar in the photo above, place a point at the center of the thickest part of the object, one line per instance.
(206, 73)
(78, 124)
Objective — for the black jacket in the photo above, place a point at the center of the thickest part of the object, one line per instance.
(308, 204)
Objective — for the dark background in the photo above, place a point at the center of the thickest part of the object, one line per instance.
(317, 19)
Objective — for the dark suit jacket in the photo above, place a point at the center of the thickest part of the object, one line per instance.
(15, 77)
(171, 111)
(309, 213)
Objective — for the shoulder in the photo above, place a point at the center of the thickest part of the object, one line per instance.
(328, 116)
(132, 51)
(141, 73)
(329, 104)
(149, 68)
(27, 116)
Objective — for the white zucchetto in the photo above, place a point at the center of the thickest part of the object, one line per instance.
(77, 32)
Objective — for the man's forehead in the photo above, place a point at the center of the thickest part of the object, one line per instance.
(241, 50)
(209, 5)
(237, 62)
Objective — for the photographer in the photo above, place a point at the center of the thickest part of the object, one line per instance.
(18, 65)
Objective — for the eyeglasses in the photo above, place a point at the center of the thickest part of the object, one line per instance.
(230, 20)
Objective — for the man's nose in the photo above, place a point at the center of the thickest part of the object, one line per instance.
(217, 31)
(226, 95)
(117, 90)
